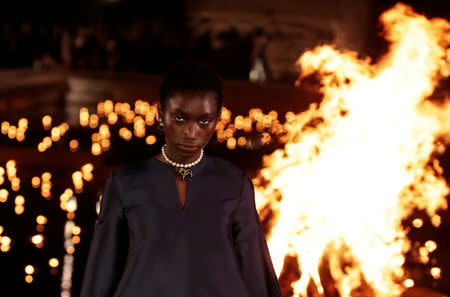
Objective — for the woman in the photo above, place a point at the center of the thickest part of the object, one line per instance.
(181, 223)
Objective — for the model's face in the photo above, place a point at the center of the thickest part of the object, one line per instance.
(189, 122)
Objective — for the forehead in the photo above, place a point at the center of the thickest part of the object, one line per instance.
(192, 104)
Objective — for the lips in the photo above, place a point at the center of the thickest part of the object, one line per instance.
(187, 147)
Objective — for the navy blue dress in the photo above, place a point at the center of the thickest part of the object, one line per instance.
(146, 245)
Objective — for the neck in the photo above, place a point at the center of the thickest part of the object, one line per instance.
(173, 158)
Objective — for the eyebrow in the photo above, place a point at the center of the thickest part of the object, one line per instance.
(180, 111)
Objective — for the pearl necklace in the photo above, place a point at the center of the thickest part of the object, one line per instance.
(182, 169)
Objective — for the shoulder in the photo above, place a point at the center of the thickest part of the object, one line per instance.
(130, 171)
(228, 171)
(224, 167)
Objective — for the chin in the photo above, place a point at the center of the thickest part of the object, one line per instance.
(188, 150)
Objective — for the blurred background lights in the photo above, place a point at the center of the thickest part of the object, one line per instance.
(35, 182)
(436, 220)
(435, 272)
(71, 205)
(418, 223)
(409, 283)
(19, 209)
(40, 219)
(3, 195)
(76, 230)
(151, 139)
(37, 239)
(53, 262)
(29, 269)
(76, 239)
(73, 145)
(430, 245)
(47, 122)
(84, 116)
(20, 200)
(29, 278)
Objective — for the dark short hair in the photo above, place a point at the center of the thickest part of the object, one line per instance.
(191, 78)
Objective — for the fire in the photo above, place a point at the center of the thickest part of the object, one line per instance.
(358, 164)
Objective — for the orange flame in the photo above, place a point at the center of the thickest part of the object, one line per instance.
(357, 165)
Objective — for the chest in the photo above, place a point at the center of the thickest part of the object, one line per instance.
(165, 209)
(181, 190)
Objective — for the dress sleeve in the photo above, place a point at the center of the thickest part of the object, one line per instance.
(251, 247)
(108, 249)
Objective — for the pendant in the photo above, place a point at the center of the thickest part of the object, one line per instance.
(184, 172)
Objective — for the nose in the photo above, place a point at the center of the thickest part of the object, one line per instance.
(190, 130)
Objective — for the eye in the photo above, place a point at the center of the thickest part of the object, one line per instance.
(205, 121)
(178, 118)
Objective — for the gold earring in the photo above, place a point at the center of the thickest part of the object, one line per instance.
(161, 127)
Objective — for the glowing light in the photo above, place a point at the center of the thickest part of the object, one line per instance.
(112, 118)
(15, 184)
(76, 230)
(12, 132)
(5, 248)
(108, 105)
(3, 195)
(105, 144)
(47, 122)
(265, 138)
(93, 121)
(84, 116)
(36, 182)
(29, 269)
(29, 278)
(225, 116)
(1, 230)
(73, 145)
(242, 141)
(101, 109)
(41, 147)
(71, 205)
(47, 141)
(70, 250)
(435, 272)
(125, 134)
(423, 255)
(46, 176)
(5, 127)
(417, 223)
(20, 137)
(19, 200)
(151, 139)
(40, 219)
(231, 143)
(19, 209)
(76, 239)
(37, 239)
(96, 149)
(5, 240)
(409, 283)
(55, 134)
(53, 262)
(436, 220)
